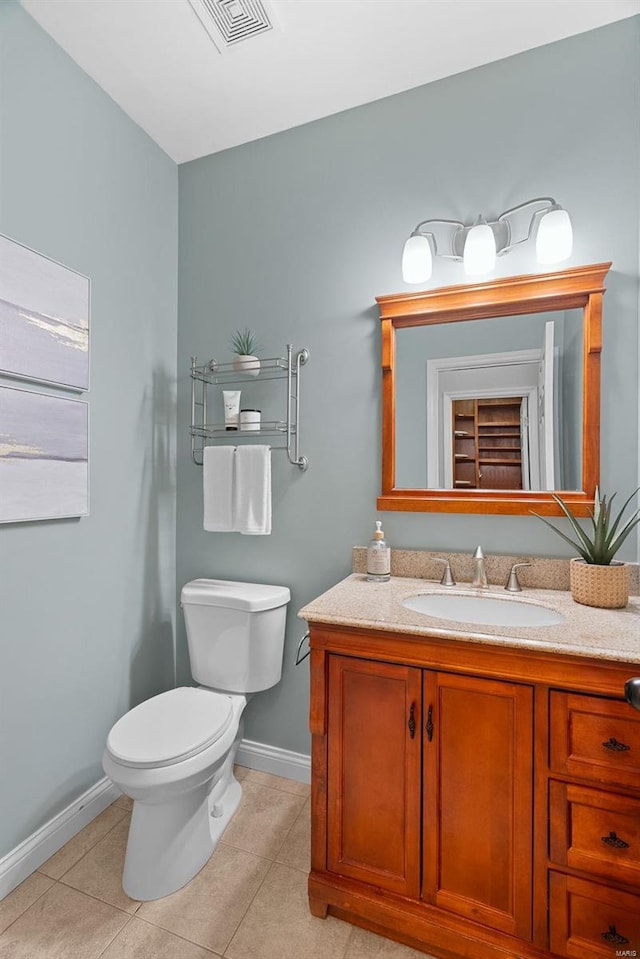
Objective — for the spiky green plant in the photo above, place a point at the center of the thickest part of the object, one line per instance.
(606, 537)
(244, 342)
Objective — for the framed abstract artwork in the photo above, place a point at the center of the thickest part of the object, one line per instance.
(44, 318)
(44, 456)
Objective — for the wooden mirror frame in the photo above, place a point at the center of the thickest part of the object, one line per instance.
(578, 287)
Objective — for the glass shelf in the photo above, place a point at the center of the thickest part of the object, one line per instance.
(220, 431)
(214, 373)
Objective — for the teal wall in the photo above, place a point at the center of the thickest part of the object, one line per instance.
(295, 234)
(88, 605)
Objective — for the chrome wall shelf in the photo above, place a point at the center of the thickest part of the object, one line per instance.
(218, 374)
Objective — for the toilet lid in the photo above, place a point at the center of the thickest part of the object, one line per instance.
(170, 727)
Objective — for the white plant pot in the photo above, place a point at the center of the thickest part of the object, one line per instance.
(247, 364)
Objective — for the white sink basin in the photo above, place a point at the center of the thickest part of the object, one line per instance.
(483, 610)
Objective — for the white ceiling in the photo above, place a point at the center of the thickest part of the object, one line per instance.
(155, 59)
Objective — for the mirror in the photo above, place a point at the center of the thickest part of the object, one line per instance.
(491, 404)
(491, 394)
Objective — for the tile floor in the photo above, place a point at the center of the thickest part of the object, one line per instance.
(249, 901)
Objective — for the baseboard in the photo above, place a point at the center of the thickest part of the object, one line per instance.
(40, 845)
(273, 759)
(37, 848)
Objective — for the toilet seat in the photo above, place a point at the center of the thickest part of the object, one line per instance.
(170, 728)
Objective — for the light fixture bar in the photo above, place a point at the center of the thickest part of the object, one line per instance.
(479, 244)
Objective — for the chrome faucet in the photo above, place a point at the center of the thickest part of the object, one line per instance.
(480, 575)
(513, 583)
(447, 575)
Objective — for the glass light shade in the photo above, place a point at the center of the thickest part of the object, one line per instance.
(479, 250)
(554, 240)
(417, 261)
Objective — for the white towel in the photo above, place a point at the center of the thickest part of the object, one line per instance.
(217, 485)
(253, 490)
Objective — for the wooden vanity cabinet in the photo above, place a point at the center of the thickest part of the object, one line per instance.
(466, 799)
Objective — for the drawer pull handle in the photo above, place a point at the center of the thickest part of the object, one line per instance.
(412, 721)
(616, 746)
(429, 726)
(614, 937)
(614, 841)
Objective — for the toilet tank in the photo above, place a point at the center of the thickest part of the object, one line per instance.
(235, 633)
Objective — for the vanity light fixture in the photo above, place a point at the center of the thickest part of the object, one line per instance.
(478, 245)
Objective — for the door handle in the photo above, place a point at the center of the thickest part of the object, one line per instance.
(429, 726)
(411, 722)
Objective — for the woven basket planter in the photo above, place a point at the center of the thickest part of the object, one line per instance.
(603, 586)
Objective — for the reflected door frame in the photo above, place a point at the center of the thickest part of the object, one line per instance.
(436, 399)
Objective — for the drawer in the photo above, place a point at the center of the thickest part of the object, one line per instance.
(595, 831)
(591, 921)
(595, 739)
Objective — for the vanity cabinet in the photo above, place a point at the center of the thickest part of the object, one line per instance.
(391, 728)
(469, 800)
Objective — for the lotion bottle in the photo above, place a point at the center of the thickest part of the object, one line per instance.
(378, 557)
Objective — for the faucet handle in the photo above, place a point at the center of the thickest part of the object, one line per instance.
(513, 583)
(447, 575)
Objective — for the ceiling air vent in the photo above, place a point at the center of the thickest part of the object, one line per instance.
(228, 22)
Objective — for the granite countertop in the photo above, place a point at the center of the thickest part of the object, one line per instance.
(612, 634)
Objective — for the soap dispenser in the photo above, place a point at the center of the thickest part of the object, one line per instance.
(378, 557)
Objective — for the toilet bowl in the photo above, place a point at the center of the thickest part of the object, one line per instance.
(183, 789)
(174, 754)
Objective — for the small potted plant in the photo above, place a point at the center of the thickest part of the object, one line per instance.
(244, 345)
(596, 580)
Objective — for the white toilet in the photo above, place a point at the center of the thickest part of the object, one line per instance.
(174, 753)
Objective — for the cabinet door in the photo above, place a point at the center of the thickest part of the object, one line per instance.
(478, 799)
(374, 746)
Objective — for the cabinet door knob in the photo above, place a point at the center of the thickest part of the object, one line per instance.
(613, 936)
(614, 841)
(411, 723)
(615, 745)
(429, 726)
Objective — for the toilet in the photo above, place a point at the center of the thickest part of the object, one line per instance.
(174, 754)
